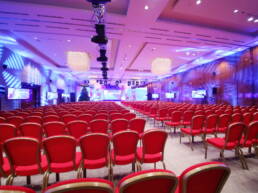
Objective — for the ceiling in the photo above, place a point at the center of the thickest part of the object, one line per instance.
(188, 33)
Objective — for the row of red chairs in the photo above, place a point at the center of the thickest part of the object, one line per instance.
(209, 177)
(24, 157)
(73, 128)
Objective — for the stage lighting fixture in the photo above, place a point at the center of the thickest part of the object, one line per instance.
(96, 2)
(129, 83)
(102, 57)
(100, 38)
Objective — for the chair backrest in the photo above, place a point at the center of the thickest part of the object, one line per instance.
(60, 149)
(125, 142)
(104, 116)
(211, 121)
(69, 117)
(7, 131)
(187, 116)
(153, 141)
(176, 116)
(95, 146)
(148, 181)
(236, 117)
(54, 128)
(114, 116)
(163, 112)
(197, 122)
(23, 151)
(247, 118)
(35, 119)
(119, 125)
(2, 120)
(2, 170)
(16, 120)
(31, 129)
(85, 117)
(99, 126)
(255, 116)
(86, 185)
(129, 116)
(234, 133)
(208, 177)
(224, 120)
(50, 118)
(77, 128)
(251, 132)
(137, 125)
(15, 189)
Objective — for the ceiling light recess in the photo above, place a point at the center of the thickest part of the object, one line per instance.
(161, 66)
(78, 61)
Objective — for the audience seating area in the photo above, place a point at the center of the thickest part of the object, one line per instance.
(237, 126)
(214, 174)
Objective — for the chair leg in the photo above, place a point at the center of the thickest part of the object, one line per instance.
(109, 171)
(28, 179)
(222, 155)
(84, 172)
(133, 166)
(242, 159)
(45, 180)
(180, 136)
(9, 180)
(139, 167)
(164, 165)
(191, 142)
(174, 129)
(250, 150)
(57, 177)
(155, 165)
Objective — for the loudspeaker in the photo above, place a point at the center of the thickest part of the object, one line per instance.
(214, 90)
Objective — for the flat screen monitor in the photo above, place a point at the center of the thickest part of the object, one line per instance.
(198, 94)
(112, 95)
(18, 93)
(155, 96)
(52, 95)
(141, 94)
(170, 95)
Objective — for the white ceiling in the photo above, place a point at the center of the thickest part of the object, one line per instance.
(187, 33)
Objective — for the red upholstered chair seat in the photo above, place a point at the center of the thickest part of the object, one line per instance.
(191, 132)
(210, 130)
(171, 123)
(66, 166)
(148, 158)
(222, 129)
(94, 164)
(122, 160)
(220, 142)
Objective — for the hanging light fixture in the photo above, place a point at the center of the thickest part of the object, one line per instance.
(78, 61)
(161, 66)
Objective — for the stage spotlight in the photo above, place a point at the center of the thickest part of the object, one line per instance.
(96, 2)
(100, 38)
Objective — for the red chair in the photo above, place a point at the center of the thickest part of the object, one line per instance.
(208, 177)
(68, 118)
(118, 125)
(2, 120)
(77, 128)
(99, 126)
(129, 116)
(31, 129)
(247, 118)
(210, 125)
(231, 141)
(137, 125)
(16, 120)
(124, 148)
(148, 181)
(54, 128)
(161, 116)
(187, 118)
(24, 157)
(250, 138)
(4, 164)
(85, 117)
(175, 120)
(153, 145)
(95, 152)
(34, 119)
(85, 185)
(236, 117)
(101, 116)
(7, 131)
(13, 189)
(61, 155)
(51, 118)
(255, 116)
(195, 129)
(223, 123)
